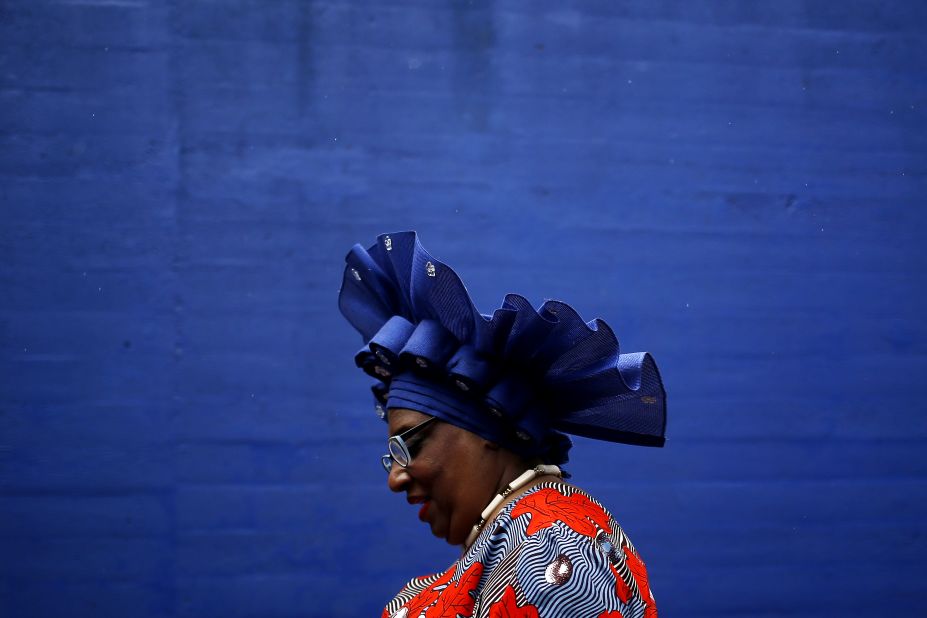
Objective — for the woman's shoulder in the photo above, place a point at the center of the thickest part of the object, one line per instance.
(567, 513)
(560, 502)
(572, 558)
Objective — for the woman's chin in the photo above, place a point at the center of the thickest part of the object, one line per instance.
(442, 531)
(438, 530)
(452, 538)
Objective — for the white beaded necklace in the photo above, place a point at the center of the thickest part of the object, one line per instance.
(526, 477)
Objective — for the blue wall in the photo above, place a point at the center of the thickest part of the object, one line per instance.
(737, 187)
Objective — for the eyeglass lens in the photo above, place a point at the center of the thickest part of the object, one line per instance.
(399, 451)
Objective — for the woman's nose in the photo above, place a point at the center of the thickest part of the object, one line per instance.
(398, 478)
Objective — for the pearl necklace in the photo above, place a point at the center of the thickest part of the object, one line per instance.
(526, 477)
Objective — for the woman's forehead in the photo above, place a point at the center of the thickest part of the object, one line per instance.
(401, 419)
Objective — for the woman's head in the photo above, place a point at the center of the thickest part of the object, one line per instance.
(521, 377)
(452, 475)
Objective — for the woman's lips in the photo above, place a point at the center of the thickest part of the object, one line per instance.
(423, 512)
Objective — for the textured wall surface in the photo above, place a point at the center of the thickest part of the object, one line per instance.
(736, 187)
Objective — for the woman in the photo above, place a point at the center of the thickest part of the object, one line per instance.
(478, 409)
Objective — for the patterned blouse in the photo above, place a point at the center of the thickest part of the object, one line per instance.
(554, 552)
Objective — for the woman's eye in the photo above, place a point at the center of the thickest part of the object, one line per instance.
(414, 444)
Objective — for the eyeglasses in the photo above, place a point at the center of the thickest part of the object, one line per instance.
(399, 450)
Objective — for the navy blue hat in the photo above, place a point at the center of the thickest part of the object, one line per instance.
(522, 377)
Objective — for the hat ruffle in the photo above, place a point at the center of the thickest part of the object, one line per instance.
(539, 371)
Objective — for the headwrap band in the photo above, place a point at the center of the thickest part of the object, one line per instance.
(521, 377)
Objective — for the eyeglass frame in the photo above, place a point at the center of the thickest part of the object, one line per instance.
(399, 442)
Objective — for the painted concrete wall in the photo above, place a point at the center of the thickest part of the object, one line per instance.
(736, 187)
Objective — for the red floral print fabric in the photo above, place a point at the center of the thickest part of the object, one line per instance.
(639, 571)
(429, 595)
(507, 607)
(548, 506)
(622, 589)
(457, 598)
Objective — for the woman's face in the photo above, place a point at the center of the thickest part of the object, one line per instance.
(452, 476)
